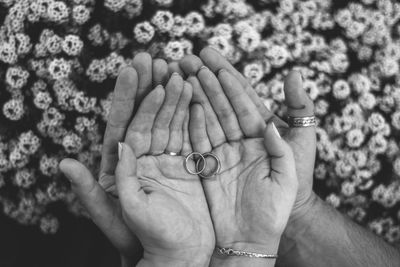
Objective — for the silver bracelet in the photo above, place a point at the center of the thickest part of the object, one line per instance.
(232, 252)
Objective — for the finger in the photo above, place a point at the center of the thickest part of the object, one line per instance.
(190, 64)
(226, 116)
(175, 142)
(296, 98)
(160, 131)
(143, 64)
(298, 104)
(250, 120)
(138, 135)
(283, 169)
(215, 61)
(132, 196)
(186, 147)
(118, 120)
(302, 139)
(100, 207)
(214, 129)
(160, 72)
(174, 67)
(197, 130)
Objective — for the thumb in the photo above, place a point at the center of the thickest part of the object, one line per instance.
(130, 191)
(84, 186)
(100, 207)
(283, 168)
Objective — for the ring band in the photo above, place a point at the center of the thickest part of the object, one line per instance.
(301, 121)
(216, 171)
(187, 160)
(171, 153)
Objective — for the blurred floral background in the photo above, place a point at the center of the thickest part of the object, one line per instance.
(59, 61)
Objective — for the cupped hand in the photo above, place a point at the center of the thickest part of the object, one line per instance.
(162, 203)
(251, 197)
(98, 197)
(301, 140)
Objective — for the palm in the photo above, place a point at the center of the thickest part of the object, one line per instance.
(178, 212)
(304, 153)
(245, 173)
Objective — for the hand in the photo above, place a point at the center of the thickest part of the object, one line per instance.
(162, 203)
(97, 197)
(251, 198)
(301, 140)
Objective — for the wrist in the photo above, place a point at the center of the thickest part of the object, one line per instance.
(299, 222)
(266, 248)
(198, 258)
(300, 216)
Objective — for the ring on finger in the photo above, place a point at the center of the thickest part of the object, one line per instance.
(301, 121)
(171, 153)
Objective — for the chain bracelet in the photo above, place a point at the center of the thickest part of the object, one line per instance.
(232, 252)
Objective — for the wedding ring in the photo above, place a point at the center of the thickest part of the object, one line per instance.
(301, 121)
(216, 170)
(191, 155)
(171, 153)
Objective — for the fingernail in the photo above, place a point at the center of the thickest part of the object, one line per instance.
(221, 71)
(203, 68)
(119, 150)
(275, 130)
(175, 73)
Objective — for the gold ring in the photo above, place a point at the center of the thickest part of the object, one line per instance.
(187, 160)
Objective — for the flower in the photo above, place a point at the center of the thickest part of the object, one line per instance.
(163, 20)
(72, 45)
(13, 109)
(144, 32)
(16, 77)
(59, 68)
(59, 60)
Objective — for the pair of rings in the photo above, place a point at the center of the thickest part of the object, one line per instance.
(201, 163)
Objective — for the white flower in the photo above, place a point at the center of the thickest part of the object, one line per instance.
(144, 32)
(57, 11)
(114, 5)
(249, 40)
(59, 68)
(354, 138)
(174, 50)
(194, 22)
(163, 20)
(339, 62)
(341, 89)
(277, 55)
(253, 72)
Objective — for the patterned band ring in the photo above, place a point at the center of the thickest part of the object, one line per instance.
(301, 121)
(216, 170)
(191, 155)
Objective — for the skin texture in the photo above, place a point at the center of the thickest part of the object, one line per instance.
(312, 222)
(250, 166)
(301, 140)
(98, 197)
(162, 203)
